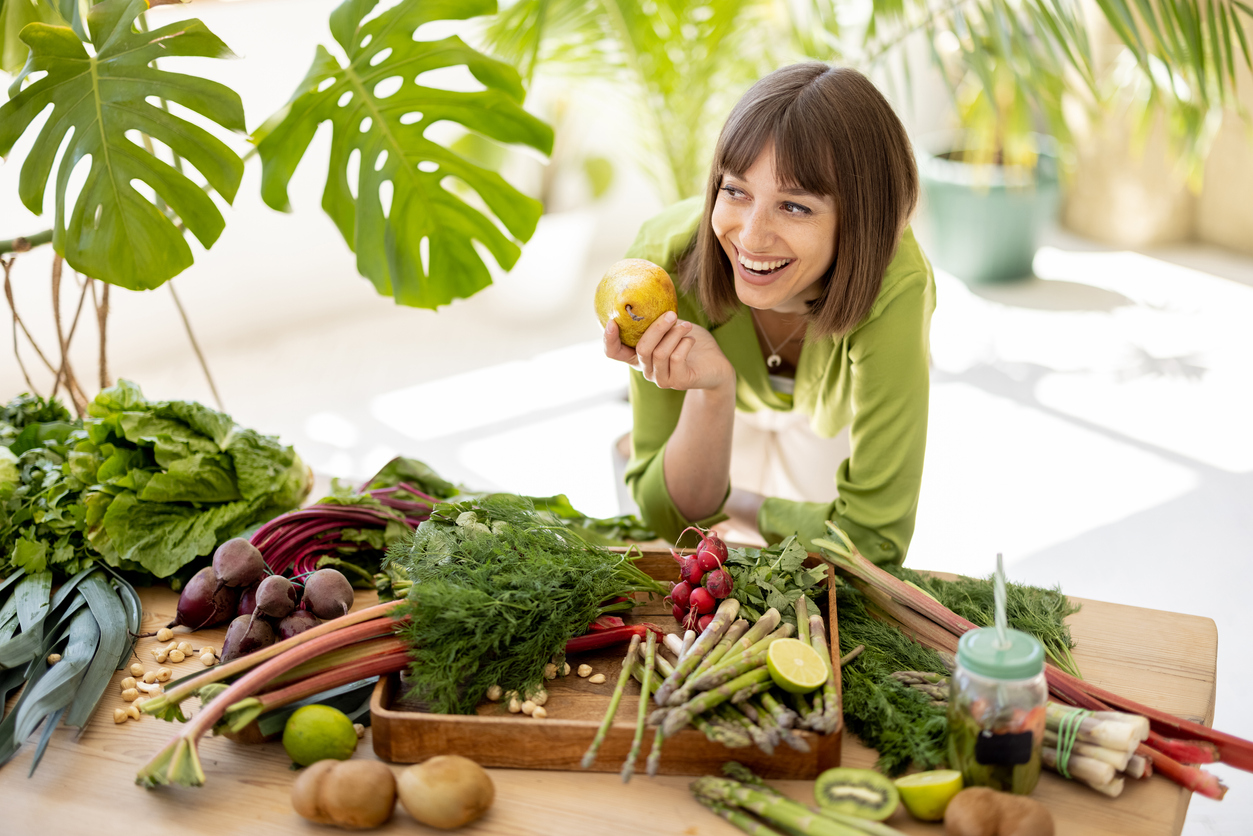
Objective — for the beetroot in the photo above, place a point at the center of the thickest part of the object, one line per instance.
(296, 623)
(328, 594)
(247, 600)
(238, 563)
(245, 635)
(680, 594)
(718, 582)
(276, 597)
(204, 602)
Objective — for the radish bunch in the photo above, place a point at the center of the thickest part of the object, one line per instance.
(703, 581)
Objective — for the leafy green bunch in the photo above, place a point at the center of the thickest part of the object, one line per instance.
(775, 576)
(147, 486)
(497, 590)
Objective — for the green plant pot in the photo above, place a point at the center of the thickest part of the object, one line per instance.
(986, 221)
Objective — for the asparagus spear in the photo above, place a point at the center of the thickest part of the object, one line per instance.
(682, 715)
(749, 693)
(765, 625)
(739, 772)
(802, 618)
(832, 708)
(646, 688)
(590, 756)
(745, 662)
(737, 629)
(722, 620)
(738, 817)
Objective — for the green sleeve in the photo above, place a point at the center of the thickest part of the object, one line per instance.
(880, 481)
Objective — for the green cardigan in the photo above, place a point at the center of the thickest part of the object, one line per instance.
(875, 378)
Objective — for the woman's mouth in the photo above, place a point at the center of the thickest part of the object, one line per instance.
(762, 268)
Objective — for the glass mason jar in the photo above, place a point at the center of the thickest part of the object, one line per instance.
(996, 707)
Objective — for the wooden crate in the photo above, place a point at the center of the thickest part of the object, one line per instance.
(496, 738)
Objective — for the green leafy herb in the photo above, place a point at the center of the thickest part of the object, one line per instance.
(775, 576)
(497, 590)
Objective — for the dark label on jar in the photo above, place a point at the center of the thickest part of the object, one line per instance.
(1009, 749)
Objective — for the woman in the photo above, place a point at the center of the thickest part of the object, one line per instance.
(792, 386)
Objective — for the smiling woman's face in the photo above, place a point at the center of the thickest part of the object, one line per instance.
(780, 241)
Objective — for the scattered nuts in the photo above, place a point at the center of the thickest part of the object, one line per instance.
(176, 656)
(149, 687)
(138, 669)
(119, 715)
(598, 679)
(130, 694)
(53, 658)
(494, 693)
(514, 705)
(208, 659)
(528, 708)
(164, 674)
(185, 647)
(208, 648)
(550, 671)
(128, 682)
(539, 713)
(359, 729)
(132, 712)
(165, 634)
(163, 656)
(565, 669)
(539, 697)
(150, 677)
(585, 670)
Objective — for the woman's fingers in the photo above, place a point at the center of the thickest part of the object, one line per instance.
(667, 370)
(650, 340)
(615, 349)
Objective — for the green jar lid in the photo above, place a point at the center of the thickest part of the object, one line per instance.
(980, 651)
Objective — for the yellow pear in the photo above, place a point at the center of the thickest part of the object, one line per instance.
(634, 292)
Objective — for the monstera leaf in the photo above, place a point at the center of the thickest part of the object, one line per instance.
(14, 15)
(112, 232)
(414, 238)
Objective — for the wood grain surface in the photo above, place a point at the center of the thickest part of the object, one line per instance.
(86, 785)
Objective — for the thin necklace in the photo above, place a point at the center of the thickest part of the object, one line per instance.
(774, 360)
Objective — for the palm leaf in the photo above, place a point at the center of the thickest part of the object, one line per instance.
(112, 232)
(420, 248)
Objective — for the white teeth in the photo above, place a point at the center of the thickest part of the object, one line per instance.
(762, 266)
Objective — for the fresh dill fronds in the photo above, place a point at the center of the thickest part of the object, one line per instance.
(497, 591)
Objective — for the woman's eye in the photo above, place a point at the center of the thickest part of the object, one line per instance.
(795, 209)
(731, 191)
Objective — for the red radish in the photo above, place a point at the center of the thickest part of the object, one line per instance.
(718, 582)
(702, 601)
(711, 553)
(678, 612)
(689, 568)
(704, 621)
(681, 594)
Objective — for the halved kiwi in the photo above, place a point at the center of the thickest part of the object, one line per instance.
(856, 792)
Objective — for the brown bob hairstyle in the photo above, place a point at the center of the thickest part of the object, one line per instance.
(834, 135)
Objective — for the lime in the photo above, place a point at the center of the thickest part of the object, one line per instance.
(318, 732)
(795, 666)
(927, 794)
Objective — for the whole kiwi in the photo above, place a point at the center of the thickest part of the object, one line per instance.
(857, 792)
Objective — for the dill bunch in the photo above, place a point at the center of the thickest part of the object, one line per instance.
(497, 591)
(897, 721)
(1040, 612)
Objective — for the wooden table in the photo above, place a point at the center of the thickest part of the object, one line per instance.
(86, 785)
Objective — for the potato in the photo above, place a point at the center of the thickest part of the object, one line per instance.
(979, 811)
(446, 791)
(354, 795)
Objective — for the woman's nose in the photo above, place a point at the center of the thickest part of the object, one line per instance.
(757, 233)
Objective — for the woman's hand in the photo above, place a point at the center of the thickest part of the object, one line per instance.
(674, 354)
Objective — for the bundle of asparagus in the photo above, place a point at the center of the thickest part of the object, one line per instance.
(755, 807)
(719, 683)
(1095, 748)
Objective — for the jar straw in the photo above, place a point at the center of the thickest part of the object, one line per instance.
(998, 605)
